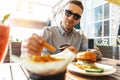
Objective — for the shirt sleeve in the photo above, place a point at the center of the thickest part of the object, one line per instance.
(45, 34)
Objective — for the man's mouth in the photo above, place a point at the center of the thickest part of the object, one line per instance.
(69, 22)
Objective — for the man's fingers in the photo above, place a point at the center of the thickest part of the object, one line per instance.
(73, 49)
(38, 38)
(33, 52)
(33, 42)
(44, 43)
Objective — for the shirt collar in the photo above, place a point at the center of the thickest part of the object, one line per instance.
(62, 31)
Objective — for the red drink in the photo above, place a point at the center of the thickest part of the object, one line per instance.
(4, 38)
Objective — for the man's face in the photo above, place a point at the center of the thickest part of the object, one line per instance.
(71, 16)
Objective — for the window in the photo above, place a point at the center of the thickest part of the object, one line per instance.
(102, 20)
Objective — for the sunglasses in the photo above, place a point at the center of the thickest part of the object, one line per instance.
(76, 16)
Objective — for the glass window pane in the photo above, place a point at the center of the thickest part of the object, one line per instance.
(115, 10)
(113, 41)
(105, 41)
(106, 11)
(114, 26)
(100, 41)
(98, 13)
(98, 29)
(106, 28)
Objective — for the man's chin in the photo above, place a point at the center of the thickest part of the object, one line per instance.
(69, 26)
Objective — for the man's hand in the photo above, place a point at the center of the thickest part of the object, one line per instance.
(33, 45)
(73, 49)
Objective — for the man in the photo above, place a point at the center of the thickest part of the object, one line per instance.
(65, 33)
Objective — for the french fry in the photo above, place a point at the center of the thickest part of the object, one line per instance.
(48, 46)
(44, 58)
(37, 59)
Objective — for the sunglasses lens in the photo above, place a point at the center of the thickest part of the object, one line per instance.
(76, 16)
(68, 13)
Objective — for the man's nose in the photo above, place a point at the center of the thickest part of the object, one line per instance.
(71, 17)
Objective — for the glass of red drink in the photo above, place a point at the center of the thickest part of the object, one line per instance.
(4, 39)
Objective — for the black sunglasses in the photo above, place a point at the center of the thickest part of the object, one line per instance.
(76, 16)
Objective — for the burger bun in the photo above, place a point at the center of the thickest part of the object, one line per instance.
(86, 56)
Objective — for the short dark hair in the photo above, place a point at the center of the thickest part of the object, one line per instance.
(77, 2)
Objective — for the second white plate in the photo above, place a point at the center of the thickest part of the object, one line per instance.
(107, 70)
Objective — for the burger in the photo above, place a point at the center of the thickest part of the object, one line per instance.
(86, 56)
(86, 59)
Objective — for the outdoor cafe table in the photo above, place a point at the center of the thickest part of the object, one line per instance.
(14, 71)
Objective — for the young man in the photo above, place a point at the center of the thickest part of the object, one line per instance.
(64, 33)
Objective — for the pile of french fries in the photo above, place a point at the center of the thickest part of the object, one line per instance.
(44, 58)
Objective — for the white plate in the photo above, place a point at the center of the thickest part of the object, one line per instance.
(107, 70)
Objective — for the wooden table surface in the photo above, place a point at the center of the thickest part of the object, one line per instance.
(14, 71)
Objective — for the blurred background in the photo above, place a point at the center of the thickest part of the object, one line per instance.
(100, 19)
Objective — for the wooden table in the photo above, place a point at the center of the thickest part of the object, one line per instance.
(14, 71)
